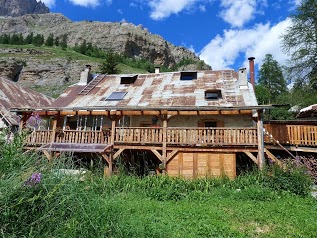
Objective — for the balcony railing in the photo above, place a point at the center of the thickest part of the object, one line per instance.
(175, 136)
(37, 138)
(292, 134)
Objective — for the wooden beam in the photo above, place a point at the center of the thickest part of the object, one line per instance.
(171, 155)
(99, 113)
(260, 141)
(65, 113)
(132, 113)
(54, 123)
(188, 113)
(158, 155)
(48, 155)
(117, 153)
(164, 141)
(272, 157)
(252, 157)
(230, 112)
(245, 112)
(217, 112)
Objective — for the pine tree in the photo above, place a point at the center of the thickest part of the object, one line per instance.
(29, 39)
(50, 40)
(63, 42)
(270, 81)
(110, 64)
(300, 40)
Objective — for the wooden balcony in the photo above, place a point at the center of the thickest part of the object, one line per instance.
(175, 136)
(298, 135)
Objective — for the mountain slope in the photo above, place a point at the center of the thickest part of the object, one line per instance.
(16, 8)
(123, 38)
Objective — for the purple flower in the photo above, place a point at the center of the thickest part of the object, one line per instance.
(33, 180)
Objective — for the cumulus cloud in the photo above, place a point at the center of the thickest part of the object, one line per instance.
(238, 12)
(164, 8)
(88, 3)
(222, 52)
(48, 3)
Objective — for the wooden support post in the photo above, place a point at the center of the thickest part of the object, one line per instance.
(163, 157)
(260, 140)
(48, 155)
(54, 124)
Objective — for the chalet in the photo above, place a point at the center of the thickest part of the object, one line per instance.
(12, 95)
(190, 124)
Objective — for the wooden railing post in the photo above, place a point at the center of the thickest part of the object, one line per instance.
(54, 123)
(164, 118)
(260, 140)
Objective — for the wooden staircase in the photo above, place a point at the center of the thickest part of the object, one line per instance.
(91, 85)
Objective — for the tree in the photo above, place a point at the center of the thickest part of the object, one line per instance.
(63, 42)
(300, 41)
(110, 64)
(50, 40)
(29, 38)
(271, 78)
(38, 40)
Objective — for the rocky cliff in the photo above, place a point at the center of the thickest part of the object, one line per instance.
(123, 38)
(16, 8)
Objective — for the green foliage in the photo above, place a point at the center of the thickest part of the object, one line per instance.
(28, 39)
(110, 64)
(63, 42)
(58, 205)
(50, 40)
(300, 41)
(271, 81)
(38, 40)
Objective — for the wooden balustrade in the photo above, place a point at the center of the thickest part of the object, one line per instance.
(150, 135)
(143, 135)
(302, 135)
(212, 136)
(38, 137)
(83, 137)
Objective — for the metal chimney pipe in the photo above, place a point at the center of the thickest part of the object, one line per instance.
(251, 64)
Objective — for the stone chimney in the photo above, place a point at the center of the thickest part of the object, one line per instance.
(157, 69)
(242, 76)
(85, 76)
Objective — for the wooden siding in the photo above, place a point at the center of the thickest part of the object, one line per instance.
(196, 165)
(302, 135)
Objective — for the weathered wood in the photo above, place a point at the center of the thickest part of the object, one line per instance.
(252, 157)
(117, 153)
(260, 142)
(271, 156)
(157, 154)
(48, 155)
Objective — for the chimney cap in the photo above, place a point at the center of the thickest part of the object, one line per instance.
(251, 58)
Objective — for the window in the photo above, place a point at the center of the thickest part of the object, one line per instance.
(210, 124)
(213, 94)
(116, 96)
(188, 75)
(128, 79)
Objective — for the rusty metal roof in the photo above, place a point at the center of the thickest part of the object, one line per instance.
(163, 90)
(14, 96)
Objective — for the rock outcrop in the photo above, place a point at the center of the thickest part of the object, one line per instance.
(16, 8)
(120, 37)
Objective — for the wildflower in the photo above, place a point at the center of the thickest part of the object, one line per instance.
(33, 180)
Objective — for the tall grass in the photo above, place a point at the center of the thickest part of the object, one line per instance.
(253, 205)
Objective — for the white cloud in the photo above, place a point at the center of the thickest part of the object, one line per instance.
(164, 8)
(48, 3)
(223, 51)
(88, 3)
(238, 12)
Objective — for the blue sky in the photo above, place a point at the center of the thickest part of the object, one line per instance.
(224, 33)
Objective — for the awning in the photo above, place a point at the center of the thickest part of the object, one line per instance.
(76, 147)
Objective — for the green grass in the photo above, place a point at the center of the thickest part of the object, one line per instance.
(126, 206)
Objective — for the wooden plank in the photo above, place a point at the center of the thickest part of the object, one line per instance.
(171, 155)
(271, 156)
(157, 154)
(252, 157)
(117, 153)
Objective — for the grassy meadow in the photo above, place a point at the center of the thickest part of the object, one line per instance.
(35, 201)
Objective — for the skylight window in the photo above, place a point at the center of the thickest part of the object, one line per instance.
(188, 75)
(116, 96)
(213, 94)
(128, 79)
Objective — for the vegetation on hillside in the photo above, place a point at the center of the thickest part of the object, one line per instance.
(109, 59)
(38, 200)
